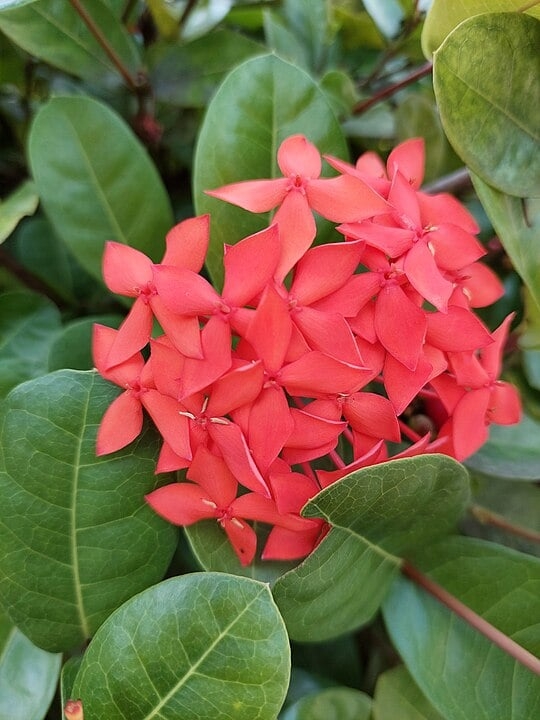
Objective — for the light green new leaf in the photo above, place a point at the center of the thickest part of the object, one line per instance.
(444, 16)
(77, 537)
(205, 646)
(377, 515)
(53, 31)
(23, 201)
(517, 223)
(460, 671)
(512, 451)
(259, 104)
(29, 325)
(486, 77)
(8, 4)
(28, 675)
(397, 696)
(96, 181)
(339, 703)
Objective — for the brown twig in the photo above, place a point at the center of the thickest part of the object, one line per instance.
(487, 517)
(453, 182)
(386, 92)
(29, 279)
(473, 619)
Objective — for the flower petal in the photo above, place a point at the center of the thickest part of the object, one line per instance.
(270, 424)
(254, 195)
(242, 537)
(409, 158)
(297, 156)
(297, 231)
(182, 503)
(187, 243)
(184, 292)
(174, 428)
(425, 276)
(284, 544)
(457, 330)
(126, 270)
(469, 423)
(344, 199)
(233, 446)
(400, 325)
(126, 372)
(317, 374)
(120, 425)
(453, 247)
(504, 404)
(133, 334)
(211, 473)
(372, 415)
(270, 330)
(402, 384)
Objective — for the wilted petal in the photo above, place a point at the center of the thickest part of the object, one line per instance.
(254, 195)
(126, 271)
(120, 425)
(187, 243)
(182, 503)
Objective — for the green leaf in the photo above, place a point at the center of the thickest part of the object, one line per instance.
(77, 536)
(214, 551)
(204, 63)
(512, 452)
(388, 15)
(67, 678)
(398, 696)
(73, 346)
(96, 181)
(205, 646)
(29, 324)
(23, 201)
(340, 703)
(8, 4)
(444, 16)
(28, 675)
(486, 81)
(377, 514)
(239, 140)
(53, 31)
(517, 223)
(461, 672)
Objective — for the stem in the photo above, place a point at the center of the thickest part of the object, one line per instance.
(336, 459)
(528, 6)
(134, 84)
(473, 619)
(487, 517)
(453, 182)
(190, 5)
(408, 431)
(128, 9)
(415, 75)
(29, 279)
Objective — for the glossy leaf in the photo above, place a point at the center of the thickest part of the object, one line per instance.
(397, 696)
(67, 678)
(205, 646)
(481, 74)
(73, 346)
(517, 223)
(53, 31)
(512, 452)
(461, 672)
(378, 514)
(29, 324)
(23, 201)
(340, 703)
(77, 536)
(204, 64)
(96, 181)
(28, 675)
(444, 16)
(239, 139)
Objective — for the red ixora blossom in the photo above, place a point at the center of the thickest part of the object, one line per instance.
(248, 387)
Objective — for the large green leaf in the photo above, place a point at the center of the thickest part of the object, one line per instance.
(205, 646)
(23, 201)
(77, 537)
(398, 696)
(340, 703)
(444, 16)
(259, 104)
(486, 77)
(29, 324)
(28, 675)
(53, 31)
(377, 515)
(517, 223)
(203, 62)
(461, 672)
(96, 181)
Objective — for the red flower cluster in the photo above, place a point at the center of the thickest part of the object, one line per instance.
(362, 344)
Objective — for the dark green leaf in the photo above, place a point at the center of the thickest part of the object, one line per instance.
(73, 346)
(203, 63)
(77, 536)
(53, 31)
(206, 646)
(461, 672)
(512, 452)
(28, 675)
(67, 679)
(239, 139)
(96, 181)
(486, 77)
(397, 696)
(377, 514)
(29, 324)
(20, 203)
(340, 703)
(444, 16)
(517, 223)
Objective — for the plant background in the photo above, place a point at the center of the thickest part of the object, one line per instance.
(116, 136)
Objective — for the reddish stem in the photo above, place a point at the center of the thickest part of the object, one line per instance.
(415, 75)
(408, 432)
(487, 517)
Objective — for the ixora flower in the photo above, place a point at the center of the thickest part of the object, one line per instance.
(252, 389)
